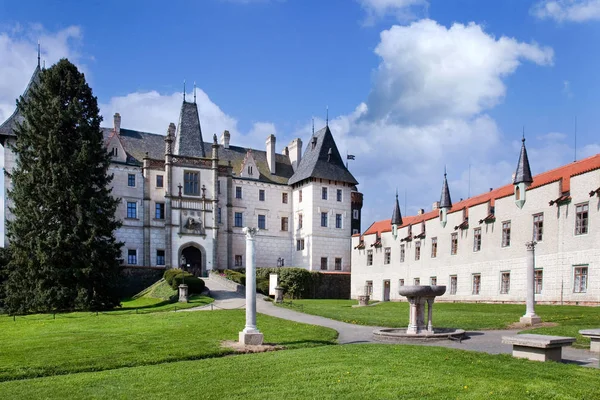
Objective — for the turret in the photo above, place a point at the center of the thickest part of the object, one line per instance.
(445, 202)
(523, 177)
(396, 218)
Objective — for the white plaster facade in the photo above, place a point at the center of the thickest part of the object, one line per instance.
(560, 255)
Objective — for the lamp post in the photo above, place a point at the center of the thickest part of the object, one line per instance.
(279, 262)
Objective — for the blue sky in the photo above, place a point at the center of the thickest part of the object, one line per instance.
(411, 85)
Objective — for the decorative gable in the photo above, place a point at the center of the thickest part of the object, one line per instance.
(249, 169)
(115, 149)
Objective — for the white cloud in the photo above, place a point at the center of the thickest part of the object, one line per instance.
(567, 89)
(402, 10)
(567, 10)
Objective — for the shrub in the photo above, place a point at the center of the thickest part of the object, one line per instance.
(170, 274)
(235, 276)
(262, 286)
(176, 277)
(296, 282)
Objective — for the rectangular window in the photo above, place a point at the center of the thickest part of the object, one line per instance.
(400, 282)
(433, 280)
(355, 214)
(402, 252)
(338, 264)
(238, 260)
(369, 288)
(160, 257)
(300, 196)
(580, 282)
(159, 211)
(338, 221)
(299, 221)
(132, 257)
(131, 180)
(324, 263)
(159, 181)
(453, 284)
(476, 239)
(417, 250)
(299, 244)
(476, 283)
(581, 219)
(238, 220)
(131, 209)
(538, 227)
(284, 224)
(261, 195)
(506, 234)
(238, 192)
(505, 283)
(284, 197)
(262, 222)
(324, 193)
(417, 281)
(433, 247)
(387, 258)
(369, 257)
(538, 280)
(454, 243)
(219, 216)
(339, 195)
(324, 219)
(191, 183)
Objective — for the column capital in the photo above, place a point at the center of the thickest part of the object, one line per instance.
(250, 232)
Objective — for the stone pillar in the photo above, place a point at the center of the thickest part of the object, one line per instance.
(530, 317)
(430, 314)
(250, 335)
(183, 293)
(413, 316)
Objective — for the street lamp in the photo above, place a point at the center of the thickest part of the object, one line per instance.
(279, 262)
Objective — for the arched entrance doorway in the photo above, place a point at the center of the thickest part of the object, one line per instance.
(191, 260)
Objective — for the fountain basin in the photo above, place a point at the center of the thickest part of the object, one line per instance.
(399, 335)
(421, 291)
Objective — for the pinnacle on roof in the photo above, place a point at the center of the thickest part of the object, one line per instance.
(322, 160)
(445, 200)
(396, 215)
(523, 172)
(188, 139)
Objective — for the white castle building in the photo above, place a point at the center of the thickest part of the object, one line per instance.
(477, 247)
(185, 201)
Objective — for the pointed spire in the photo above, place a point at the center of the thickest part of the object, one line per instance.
(523, 172)
(194, 92)
(445, 200)
(184, 90)
(397, 215)
(39, 52)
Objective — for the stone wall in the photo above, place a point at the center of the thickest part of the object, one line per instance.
(135, 279)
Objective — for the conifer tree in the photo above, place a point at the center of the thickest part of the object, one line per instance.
(64, 255)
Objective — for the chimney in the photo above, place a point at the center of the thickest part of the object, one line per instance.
(436, 205)
(117, 123)
(225, 139)
(295, 150)
(286, 151)
(271, 153)
(421, 211)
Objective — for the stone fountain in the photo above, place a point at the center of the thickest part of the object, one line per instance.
(418, 296)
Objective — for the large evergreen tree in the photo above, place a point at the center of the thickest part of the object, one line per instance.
(64, 255)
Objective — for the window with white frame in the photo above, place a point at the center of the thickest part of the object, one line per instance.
(324, 219)
(476, 283)
(299, 244)
(387, 257)
(339, 195)
(453, 243)
(580, 279)
(417, 281)
(324, 193)
(369, 257)
(417, 250)
(369, 288)
(581, 218)
(131, 209)
(131, 180)
(300, 221)
(538, 277)
(400, 282)
(338, 264)
(160, 257)
(433, 281)
(476, 239)
(132, 256)
(504, 282)
(402, 252)
(434, 247)
(506, 234)
(453, 284)
(538, 227)
(238, 260)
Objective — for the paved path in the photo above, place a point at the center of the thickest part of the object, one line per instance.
(488, 341)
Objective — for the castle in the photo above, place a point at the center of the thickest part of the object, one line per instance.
(184, 201)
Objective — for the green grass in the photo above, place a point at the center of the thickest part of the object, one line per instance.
(332, 372)
(39, 345)
(148, 304)
(468, 316)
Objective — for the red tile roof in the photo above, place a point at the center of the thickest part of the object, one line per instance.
(563, 173)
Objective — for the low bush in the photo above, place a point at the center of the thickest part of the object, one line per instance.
(176, 277)
(235, 276)
(262, 286)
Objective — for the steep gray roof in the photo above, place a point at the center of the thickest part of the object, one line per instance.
(523, 172)
(445, 200)
(322, 160)
(7, 128)
(396, 215)
(188, 138)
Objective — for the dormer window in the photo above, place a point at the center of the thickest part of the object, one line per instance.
(249, 170)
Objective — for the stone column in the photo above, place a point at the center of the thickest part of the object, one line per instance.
(430, 314)
(250, 335)
(530, 317)
(413, 327)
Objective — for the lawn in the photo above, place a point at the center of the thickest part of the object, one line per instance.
(39, 345)
(150, 305)
(332, 372)
(468, 316)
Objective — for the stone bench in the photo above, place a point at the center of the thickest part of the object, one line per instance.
(538, 347)
(594, 335)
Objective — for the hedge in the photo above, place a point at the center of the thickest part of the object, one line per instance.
(176, 277)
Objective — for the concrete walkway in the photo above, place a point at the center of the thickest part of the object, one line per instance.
(487, 341)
